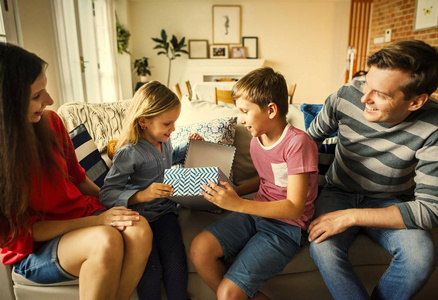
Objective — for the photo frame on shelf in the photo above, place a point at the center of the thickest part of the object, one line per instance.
(238, 52)
(219, 51)
(251, 43)
(426, 14)
(198, 49)
(226, 24)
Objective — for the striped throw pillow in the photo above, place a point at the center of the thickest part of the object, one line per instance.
(88, 155)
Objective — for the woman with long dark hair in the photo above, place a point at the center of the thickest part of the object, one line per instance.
(52, 226)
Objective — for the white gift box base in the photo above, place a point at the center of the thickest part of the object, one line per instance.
(204, 162)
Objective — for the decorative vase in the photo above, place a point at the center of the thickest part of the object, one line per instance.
(144, 78)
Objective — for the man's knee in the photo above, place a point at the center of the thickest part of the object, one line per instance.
(419, 258)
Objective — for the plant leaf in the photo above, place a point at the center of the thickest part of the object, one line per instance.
(164, 35)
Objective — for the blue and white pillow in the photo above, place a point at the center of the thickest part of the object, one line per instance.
(220, 131)
(88, 155)
(326, 152)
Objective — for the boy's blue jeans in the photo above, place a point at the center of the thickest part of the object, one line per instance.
(413, 252)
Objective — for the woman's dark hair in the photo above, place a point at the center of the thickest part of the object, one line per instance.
(24, 147)
(415, 57)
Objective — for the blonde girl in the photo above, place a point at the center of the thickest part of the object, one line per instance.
(135, 180)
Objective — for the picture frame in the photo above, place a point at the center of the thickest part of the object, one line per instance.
(426, 14)
(219, 51)
(251, 43)
(238, 52)
(198, 49)
(227, 24)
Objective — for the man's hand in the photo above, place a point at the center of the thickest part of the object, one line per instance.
(329, 224)
(224, 197)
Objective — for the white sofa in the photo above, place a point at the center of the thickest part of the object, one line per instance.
(300, 279)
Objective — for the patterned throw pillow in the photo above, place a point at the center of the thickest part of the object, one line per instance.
(220, 130)
(88, 155)
(326, 152)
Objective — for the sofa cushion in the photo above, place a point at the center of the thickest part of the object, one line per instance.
(220, 131)
(326, 152)
(103, 120)
(88, 155)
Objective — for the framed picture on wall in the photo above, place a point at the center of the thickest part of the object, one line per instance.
(426, 14)
(251, 45)
(219, 51)
(238, 52)
(226, 24)
(198, 48)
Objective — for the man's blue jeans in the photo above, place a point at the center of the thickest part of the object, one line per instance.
(413, 252)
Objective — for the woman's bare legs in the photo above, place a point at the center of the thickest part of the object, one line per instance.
(109, 263)
(138, 246)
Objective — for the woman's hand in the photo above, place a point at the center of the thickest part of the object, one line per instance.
(119, 217)
(154, 191)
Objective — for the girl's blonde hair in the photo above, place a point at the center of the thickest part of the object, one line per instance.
(151, 100)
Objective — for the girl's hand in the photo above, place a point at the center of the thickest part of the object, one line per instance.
(195, 136)
(154, 191)
(119, 217)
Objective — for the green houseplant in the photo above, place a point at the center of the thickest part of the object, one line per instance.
(123, 35)
(141, 66)
(172, 48)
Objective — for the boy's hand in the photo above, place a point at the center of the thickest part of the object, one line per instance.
(195, 136)
(154, 191)
(224, 197)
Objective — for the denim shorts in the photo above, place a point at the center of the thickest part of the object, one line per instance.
(263, 247)
(42, 266)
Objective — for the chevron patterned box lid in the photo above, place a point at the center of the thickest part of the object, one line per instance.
(187, 185)
(205, 161)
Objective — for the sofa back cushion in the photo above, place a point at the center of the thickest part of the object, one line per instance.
(326, 152)
(103, 120)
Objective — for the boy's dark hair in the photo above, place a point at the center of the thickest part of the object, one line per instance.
(417, 58)
(263, 86)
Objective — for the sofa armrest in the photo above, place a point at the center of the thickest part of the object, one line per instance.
(6, 290)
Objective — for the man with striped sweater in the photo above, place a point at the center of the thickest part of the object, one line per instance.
(384, 179)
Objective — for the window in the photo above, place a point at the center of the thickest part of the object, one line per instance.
(8, 25)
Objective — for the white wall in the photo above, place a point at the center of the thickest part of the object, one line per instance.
(38, 37)
(124, 60)
(304, 40)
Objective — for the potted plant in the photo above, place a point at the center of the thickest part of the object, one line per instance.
(123, 35)
(171, 49)
(141, 66)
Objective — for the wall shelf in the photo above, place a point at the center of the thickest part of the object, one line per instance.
(200, 70)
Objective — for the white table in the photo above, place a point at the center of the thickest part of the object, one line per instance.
(205, 90)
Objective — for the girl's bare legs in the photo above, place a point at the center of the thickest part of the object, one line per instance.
(205, 252)
(109, 263)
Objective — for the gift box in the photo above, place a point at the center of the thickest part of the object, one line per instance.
(204, 162)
